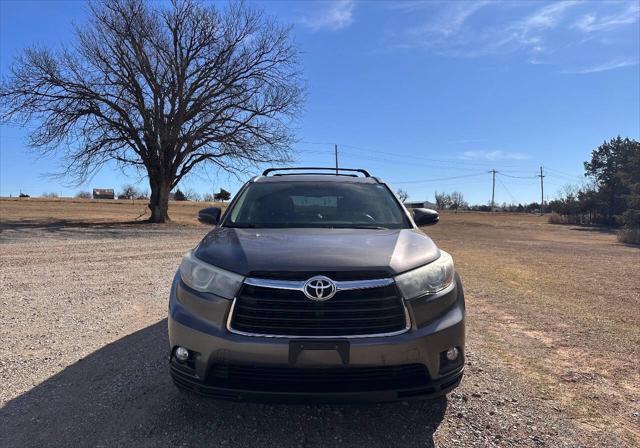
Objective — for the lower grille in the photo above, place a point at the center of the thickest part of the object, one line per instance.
(324, 379)
(282, 312)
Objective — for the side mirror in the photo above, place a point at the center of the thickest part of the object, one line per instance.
(210, 215)
(425, 216)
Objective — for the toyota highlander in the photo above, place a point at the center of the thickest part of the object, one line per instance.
(317, 284)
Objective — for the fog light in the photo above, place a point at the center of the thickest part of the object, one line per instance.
(182, 354)
(452, 354)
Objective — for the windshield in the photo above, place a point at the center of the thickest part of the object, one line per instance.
(317, 204)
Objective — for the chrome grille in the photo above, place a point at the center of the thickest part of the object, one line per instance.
(360, 308)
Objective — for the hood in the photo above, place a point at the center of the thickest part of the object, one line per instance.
(245, 251)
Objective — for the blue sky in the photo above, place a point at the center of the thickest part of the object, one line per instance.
(427, 95)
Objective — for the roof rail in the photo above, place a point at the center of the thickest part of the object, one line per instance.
(337, 170)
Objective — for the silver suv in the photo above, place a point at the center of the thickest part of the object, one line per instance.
(317, 284)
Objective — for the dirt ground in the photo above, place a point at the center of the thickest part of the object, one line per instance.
(553, 336)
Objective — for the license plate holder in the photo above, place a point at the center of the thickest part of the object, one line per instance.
(298, 346)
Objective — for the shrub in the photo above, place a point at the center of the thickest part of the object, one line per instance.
(555, 218)
(222, 195)
(128, 192)
(83, 195)
(179, 196)
(629, 235)
(51, 195)
(142, 195)
(191, 195)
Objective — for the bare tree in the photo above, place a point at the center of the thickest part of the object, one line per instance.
(191, 195)
(163, 90)
(128, 192)
(402, 195)
(457, 200)
(443, 200)
(83, 195)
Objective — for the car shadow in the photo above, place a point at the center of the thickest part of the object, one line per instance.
(122, 395)
(71, 228)
(595, 229)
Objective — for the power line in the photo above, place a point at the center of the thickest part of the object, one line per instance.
(493, 189)
(559, 178)
(406, 162)
(513, 198)
(541, 191)
(411, 157)
(456, 161)
(450, 164)
(516, 177)
(437, 179)
(564, 174)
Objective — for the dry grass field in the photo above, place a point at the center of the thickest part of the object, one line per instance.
(559, 306)
(553, 336)
(67, 210)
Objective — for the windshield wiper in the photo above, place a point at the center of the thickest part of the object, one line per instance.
(242, 226)
(321, 226)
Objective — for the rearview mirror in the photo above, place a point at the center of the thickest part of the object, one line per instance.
(210, 215)
(425, 216)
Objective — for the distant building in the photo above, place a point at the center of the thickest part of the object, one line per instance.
(424, 204)
(103, 193)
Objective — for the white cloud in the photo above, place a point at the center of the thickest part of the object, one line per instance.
(452, 19)
(551, 33)
(492, 155)
(528, 33)
(611, 65)
(547, 17)
(332, 16)
(592, 22)
(448, 31)
(408, 5)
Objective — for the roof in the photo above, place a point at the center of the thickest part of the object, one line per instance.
(316, 174)
(316, 178)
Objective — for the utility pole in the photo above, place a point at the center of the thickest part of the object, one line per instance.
(493, 189)
(541, 176)
(336, 148)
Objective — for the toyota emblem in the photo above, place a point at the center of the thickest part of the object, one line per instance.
(319, 288)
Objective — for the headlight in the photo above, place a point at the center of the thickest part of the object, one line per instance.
(427, 279)
(204, 277)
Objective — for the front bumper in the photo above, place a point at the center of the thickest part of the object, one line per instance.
(199, 323)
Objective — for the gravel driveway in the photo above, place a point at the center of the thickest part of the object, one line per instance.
(83, 363)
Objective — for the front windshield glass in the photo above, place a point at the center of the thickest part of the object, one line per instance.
(317, 204)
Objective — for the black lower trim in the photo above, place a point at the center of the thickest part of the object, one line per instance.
(426, 389)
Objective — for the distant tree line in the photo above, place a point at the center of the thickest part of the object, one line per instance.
(190, 195)
(83, 195)
(131, 192)
(532, 207)
(612, 198)
(451, 201)
(455, 201)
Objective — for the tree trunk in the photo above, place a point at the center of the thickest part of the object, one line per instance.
(159, 200)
